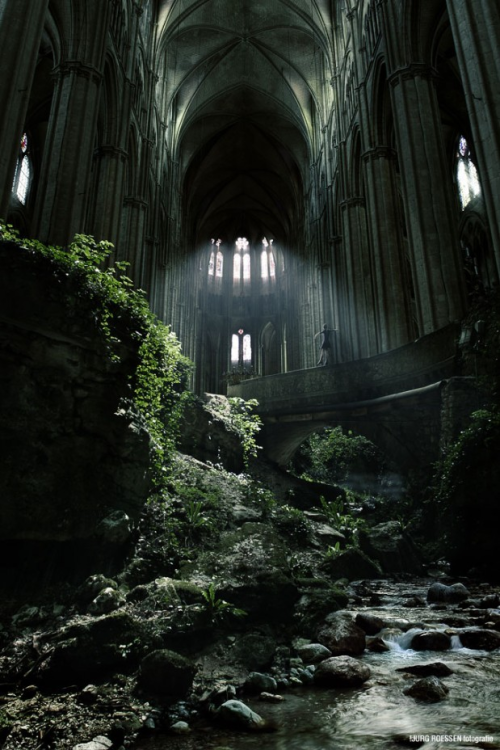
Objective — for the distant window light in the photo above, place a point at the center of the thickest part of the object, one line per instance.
(246, 267)
(236, 267)
(469, 186)
(211, 264)
(247, 349)
(264, 269)
(220, 265)
(267, 262)
(23, 173)
(242, 243)
(272, 266)
(235, 349)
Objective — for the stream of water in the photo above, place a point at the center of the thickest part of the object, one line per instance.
(379, 715)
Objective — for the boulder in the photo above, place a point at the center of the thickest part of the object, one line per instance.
(371, 624)
(165, 672)
(106, 601)
(238, 715)
(341, 635)
(98, 743)
(435, 668)
(431, 640)
(428, 690)
(440, 592)
(257, 682)
(392, 548)
(483, 640)
(312, 653)
(352, 564)
(341, 671)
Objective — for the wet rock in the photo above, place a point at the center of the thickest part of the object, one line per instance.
(166, 673)
(180, 727)
(376, 644)
(431, 640)
(106, 601)
(390, 546)
(238, 715)
(271, 698)
(440, 592)
(486, 640)
(258, 683)
(255, 651)
(341, 635)
(371, 624)
(315, 604)
(98, 743)
(435, 668)
(414, 601)
(341, 671)
(312, 653)
(428, 690)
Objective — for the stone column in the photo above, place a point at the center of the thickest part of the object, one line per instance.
(109, 193)
(62, 198)
(431, 213)
(360, 308)
(388, 263)
(21, 28)
(476, 32)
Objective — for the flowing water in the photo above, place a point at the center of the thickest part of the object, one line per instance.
(379, 715)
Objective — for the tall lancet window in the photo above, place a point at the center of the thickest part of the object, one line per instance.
(241, 260)
(216, 262)
(23, 173)
(467, 177)
(267, 261)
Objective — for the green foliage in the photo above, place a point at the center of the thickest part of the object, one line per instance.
(342, 520)
(292, 522)
(239, 416)
(217, 608)
(330, 455)
(481, 356)
(122, 316)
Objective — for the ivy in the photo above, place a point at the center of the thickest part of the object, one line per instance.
(121, 314)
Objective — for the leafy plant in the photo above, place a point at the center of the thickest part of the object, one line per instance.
(342, 520)
(218, 608)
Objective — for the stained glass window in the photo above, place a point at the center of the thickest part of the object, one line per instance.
(23, 173)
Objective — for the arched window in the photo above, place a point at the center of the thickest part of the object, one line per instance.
(211, 264)
(267, 262)
(241, 349)
(242, 260)
(216, 262)
(467, 176)
(23, 174)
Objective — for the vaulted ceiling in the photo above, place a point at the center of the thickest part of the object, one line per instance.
(245, 85)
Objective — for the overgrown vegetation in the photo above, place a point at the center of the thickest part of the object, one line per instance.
(121, 314)
(331, 455)
(240, 417)
(462, 507)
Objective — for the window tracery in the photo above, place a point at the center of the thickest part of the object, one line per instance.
(23, 173)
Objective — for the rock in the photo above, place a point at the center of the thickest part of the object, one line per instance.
(255, 651)
(376, 644)
(166, 673)
(431, 640)
(115, 528)
(435, 668)
(258, 683)
(341, 671)
(93, 586)
(106, 601)
(341, 635)
(98, 743)
(312, 653)
(271, 698)
(371, 624)
(180, 727)
(390, 546)
(440, 592)
(352, 564)
(484, 640)
(428, 689)
(86, 651)
(238, 715)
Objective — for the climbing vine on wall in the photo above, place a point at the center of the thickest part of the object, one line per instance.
(123, 320)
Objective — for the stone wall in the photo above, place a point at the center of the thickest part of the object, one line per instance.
(70, 455)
